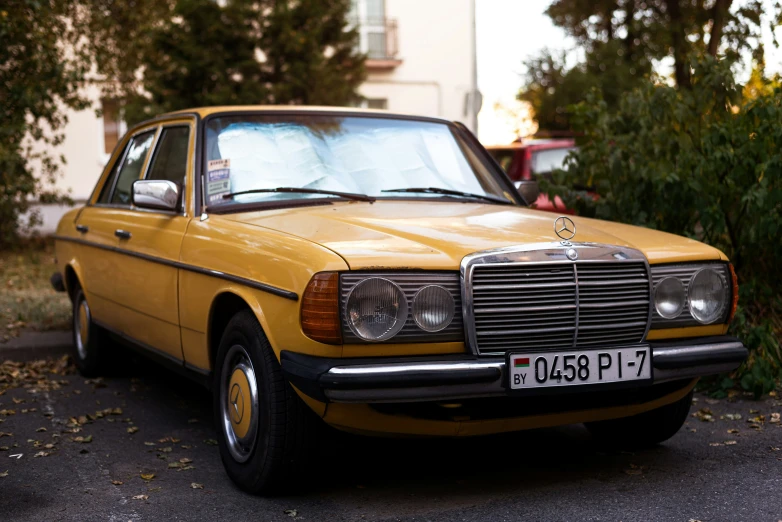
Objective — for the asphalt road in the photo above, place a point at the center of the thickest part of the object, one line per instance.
(553, 474)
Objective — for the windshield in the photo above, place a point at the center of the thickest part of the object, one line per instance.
(547, 160)
(358, 155)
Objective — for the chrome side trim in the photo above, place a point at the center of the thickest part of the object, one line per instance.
(551, 253)
(293, 296)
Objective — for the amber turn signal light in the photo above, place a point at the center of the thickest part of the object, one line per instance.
(320, 309)
(735, 293)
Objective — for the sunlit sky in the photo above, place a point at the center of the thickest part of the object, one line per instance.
(510, 31)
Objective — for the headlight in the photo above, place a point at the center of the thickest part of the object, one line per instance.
(708, 296)
(669, 297)
(376, 309)
(433, 308)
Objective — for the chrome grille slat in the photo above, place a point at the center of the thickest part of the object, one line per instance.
(540, 306)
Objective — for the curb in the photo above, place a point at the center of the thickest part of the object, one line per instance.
(30, 346)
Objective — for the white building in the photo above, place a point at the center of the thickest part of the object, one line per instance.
(420, 60)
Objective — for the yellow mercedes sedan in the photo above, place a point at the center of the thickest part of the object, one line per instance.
(381, 274)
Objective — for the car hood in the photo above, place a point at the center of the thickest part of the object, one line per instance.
(437, 235)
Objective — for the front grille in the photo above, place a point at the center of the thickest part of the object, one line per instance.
(539, 307)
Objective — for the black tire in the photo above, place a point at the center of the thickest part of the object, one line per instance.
(89, 340)
(644, 430)
(284, 427)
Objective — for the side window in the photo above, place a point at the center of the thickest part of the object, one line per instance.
(131, 167)
(105, 192)
(170, 159)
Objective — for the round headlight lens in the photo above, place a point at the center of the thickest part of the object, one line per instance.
(707, 296)
(433, 308)
(669, 297)
(376, 309)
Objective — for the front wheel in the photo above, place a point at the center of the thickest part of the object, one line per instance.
(266, 433)
(89, 339)
(644, 430)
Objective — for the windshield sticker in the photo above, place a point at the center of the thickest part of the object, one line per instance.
(218, 180)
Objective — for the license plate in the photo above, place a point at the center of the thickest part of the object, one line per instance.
(602, 366)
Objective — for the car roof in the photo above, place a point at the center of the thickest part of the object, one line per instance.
(206, 111)
(535, 144)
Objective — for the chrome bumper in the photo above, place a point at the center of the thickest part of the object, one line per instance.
(411, 379)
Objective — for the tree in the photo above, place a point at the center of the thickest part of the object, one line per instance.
(623, 38)
(243, 52)
(700, 162)
(42, 68)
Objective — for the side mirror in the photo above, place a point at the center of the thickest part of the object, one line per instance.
(528, 189)
(156, 194)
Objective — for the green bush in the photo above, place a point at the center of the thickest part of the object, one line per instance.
(698, 162)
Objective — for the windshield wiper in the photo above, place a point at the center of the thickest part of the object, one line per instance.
(346, 195)
(449, 192)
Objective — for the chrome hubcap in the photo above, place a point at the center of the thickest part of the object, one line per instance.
(81, 324)
(239, 403)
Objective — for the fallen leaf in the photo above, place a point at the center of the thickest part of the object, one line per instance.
(149, 444)
(715, 444)
(733, 430)
(210, 442)
(186, 446)
(635, 470)
(775, 418)
(83, 440)
(704, 414)
(730, 442)
(4, 473)
(733, 416)
(17, 401)
(141, 497)
(185, 468)
(196, 485)
(758, 419)
(185, 460)
(132, 429)
(117, 482)
(147, 476)
(174, 465)
(116, 411)
(6, 434)
(754, 411)
(41, 454)
(41, 429)
(7, 413)
(291, 513)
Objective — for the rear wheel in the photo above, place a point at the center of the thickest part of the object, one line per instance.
(266, 433)
(88, 338)
(646, 429)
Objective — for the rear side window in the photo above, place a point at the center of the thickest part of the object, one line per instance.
(131, 167)
(170, 159)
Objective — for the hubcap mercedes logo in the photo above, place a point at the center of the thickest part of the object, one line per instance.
(565, 228)
(237, 402)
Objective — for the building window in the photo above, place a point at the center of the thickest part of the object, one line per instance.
(377, 103)
(377, 34)
(111, 124)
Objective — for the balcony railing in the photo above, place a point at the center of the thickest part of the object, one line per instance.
(379, 38)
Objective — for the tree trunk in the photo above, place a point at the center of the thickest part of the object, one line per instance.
(679, 43)
(718, 17)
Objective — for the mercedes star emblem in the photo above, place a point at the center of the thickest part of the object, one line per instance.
(565, 228)
(237, 401)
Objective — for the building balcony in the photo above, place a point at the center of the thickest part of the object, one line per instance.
(379, 40)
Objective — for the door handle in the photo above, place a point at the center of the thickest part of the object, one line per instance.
(83, 228)
(122, 234)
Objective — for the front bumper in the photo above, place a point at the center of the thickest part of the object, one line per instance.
(434, 378)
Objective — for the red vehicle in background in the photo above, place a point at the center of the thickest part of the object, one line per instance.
(529, 159)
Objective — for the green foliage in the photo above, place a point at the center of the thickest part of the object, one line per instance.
(621, 41)
(701, 163)
(246, 52)
(37, 78)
